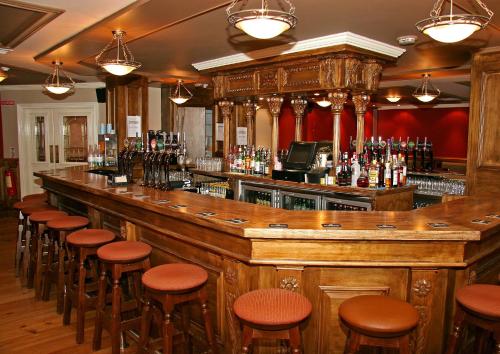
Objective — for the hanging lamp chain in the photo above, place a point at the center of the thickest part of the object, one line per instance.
(438, 7)
(265, 6)
(55, 77)
(121, 47)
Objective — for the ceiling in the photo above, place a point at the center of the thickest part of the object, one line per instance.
(168, 37)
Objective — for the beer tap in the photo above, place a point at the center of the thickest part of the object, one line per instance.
(423, 154)
(129, 170)
(415, 153)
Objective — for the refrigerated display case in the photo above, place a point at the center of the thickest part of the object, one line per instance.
(347, 203)
(298, 201)
(257, 194)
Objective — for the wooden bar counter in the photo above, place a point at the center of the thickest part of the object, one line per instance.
(394, 253)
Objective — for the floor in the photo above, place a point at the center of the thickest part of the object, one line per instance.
(27, 326)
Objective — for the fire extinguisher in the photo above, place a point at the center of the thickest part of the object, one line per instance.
(10, 183)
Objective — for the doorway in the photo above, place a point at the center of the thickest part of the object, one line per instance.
(53, 136)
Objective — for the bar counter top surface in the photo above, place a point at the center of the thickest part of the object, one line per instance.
(466, 219)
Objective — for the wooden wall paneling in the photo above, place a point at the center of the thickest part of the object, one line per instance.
(483, 155)
(95, 218)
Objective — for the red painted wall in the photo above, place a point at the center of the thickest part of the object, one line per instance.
(1, 131)
(447, 128)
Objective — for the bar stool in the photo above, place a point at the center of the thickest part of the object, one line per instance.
(38, 222)
(26, 273)
(21, 223)
(272, 314)
(38, 196)
(169, 285)
(57, 230)
(82, 247)
(376, 320)
(478, 305)
(119, 258)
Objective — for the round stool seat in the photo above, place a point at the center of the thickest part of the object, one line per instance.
(483, 299)
(28, 203)
(38, 196)
(378, 316)
(272, 307)
(45, 216)
(27, 211)
(90, 237)
(68, 223)
(176, 277)
(124, 251)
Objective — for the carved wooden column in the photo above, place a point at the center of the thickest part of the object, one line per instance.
(274, 103)
(299, 105)
(338, 99)
(249, 112)
(226, 108)
(360, 103)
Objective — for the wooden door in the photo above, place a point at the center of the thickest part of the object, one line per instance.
(483, 156)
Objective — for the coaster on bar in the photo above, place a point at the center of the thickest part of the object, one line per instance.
(493, 216)
(206, 213)
(386, 226)
(236, 221)
(278, 226)
(178, 206)
(438, 225)
(481, 222)
(331, 226)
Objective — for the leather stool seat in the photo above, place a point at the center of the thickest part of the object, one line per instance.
(90, 237)
(45, 216)
(175, 277)
(124, 251)
(28, 203)
(272, 307)
(39, 196)
(483, 299)
(378, 316)
(68, 223)
(27, 211)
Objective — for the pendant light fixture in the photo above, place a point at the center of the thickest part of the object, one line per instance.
(453, 28)
(179, 97)
(426, 92)
(323, 102)
(59, 82)
(3, 73)
(263, 23)
(393, 99)
(121, 64)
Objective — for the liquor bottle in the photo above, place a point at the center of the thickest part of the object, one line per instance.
(403, 170)
(252, 160)
(247, 161)
(363, 177)
(395, 171)
(355, 170)
(373, 175)
(381, 173)
(267, 161)
(388, 173)
(256, 166)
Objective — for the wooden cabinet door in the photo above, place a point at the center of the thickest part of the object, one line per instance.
(483, 156)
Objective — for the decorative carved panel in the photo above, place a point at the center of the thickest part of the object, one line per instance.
(371, 75)
(240, 84)
(267, 81)
(302, 76)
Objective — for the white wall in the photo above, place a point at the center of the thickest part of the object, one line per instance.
(32, 94)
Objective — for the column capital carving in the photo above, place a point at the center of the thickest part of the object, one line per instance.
(274, 104)
(249, 109)
(361, 102)
(338, 99)
(226, 107)
(299, 106)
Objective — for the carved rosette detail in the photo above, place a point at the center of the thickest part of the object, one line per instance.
(226, 108)
(361, 102)
(274, 104)
(289, 283)
(422, 287)
(338, 99)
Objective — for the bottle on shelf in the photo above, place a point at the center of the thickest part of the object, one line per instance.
(373, 175)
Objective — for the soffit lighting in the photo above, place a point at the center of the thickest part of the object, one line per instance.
(59, 82)
(323, 102)
(263, 23)
(3, 73)
(453, 27)
(179, 97)
(393, 99)
(426, 92)
(123, 63)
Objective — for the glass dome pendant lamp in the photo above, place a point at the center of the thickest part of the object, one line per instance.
(59, 82)
(121, 64)
(426, 92)
(180, 97)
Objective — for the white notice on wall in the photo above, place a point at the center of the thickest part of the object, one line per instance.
(241, 136)
(219, 132)
(134, 126)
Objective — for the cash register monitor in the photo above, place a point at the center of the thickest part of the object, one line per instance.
(301, 155)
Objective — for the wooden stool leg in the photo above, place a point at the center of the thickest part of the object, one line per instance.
(168, 327)
(70, 280)
(456, 332)
(19, 244)
(295, 343)
(60, 273)
(247, 339)
(38, 266)
(50, 259)
(26, 256)
(496, 336)
(203, 298)
(81, 301)
(186, 326)
(116, 314)
(99, 313)
(32, 256)
(404, 345)
(145, 325)
(353, 342)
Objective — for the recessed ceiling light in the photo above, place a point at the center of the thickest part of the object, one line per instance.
(316, 94)
(407, 40)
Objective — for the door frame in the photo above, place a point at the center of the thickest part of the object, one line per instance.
(23, 144)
